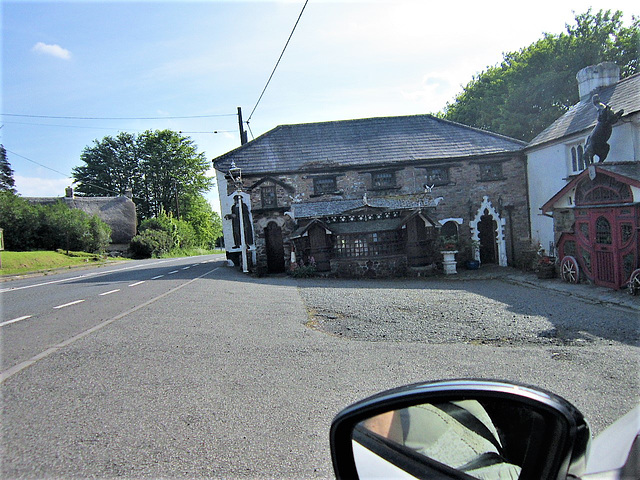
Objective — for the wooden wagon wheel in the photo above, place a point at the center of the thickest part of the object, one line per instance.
(569, 269)
(633, 287)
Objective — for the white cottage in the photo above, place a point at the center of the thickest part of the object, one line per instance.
(557, 154)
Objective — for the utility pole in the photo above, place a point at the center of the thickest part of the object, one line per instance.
(243, 133)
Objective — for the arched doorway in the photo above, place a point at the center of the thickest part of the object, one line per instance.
(487, 229)
(274, 247)
(487, 233)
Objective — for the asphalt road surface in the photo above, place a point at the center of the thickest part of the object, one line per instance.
(201, 371)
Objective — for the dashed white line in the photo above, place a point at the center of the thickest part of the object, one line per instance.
(10, 372)
(69, 304)
(171, 273)
(137, 283)
(110, 292)
(186, 268)
(14, 320)
(156, 277)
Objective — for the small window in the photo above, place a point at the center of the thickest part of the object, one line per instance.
(578, 160)
(437, 175)
(268, 195)
(323, 185)
(491, 171)
(383, 180)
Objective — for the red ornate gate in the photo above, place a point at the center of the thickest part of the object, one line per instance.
(604, 241)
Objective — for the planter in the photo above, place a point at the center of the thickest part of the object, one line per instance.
(449, 261)
(546, 271)
(473, 264)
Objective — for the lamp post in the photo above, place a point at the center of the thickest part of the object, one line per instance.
(236, 177)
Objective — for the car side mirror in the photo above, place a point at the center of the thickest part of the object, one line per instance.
(460, 429)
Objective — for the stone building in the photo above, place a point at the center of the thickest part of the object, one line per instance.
(376, 196)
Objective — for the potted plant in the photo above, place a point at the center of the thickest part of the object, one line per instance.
(546, 267)
(449, 248)
(474, 258)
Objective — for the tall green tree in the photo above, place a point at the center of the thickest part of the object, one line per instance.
(534, 86)
(7, 182)
(111, 166)
(162, 168)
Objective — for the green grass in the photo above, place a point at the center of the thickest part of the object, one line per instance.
(16, 263)
(189, 252)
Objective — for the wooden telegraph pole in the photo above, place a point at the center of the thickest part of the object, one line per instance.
(243, 133)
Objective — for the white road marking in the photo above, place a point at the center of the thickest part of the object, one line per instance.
(10, 372)
(186, 268)
(110, 292)
(79, 277)
(69, 304)
(171, 273)
(137, 283)
(156, 277)
(8, 322)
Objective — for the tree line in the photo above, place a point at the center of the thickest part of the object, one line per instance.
(534, 86)
(165, 174)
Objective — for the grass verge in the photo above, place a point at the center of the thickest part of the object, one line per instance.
(16, 263)
(189, 252)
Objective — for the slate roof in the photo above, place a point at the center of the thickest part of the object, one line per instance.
(583, 116)
(340, 207)
(365, 142)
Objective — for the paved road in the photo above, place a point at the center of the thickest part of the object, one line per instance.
(237, 377)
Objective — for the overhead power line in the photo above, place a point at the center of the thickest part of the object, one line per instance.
(37, 163)
(278, 62)
(116, 118)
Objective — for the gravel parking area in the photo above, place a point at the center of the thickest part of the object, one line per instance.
(438, 311)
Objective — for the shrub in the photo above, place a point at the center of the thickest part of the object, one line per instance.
(151, 243)
(49, 227)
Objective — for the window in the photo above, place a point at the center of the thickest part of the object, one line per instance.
(490, 171)
(322, 185)
(626, 232)
(578, 162)
(437, 175)
(383, 180)
(367, 244)
(268, 196)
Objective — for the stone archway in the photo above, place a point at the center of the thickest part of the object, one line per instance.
(487, 229)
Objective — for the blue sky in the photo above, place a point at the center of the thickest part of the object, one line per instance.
(133, 66)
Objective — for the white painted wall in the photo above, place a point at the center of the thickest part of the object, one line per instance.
(548, 168)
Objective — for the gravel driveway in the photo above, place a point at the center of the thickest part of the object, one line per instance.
(473, 311)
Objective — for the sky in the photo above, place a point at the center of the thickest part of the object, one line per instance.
(117, 66)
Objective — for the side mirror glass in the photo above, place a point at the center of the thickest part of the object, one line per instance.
(458, 429)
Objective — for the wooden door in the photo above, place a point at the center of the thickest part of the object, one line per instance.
(487, 232)
(604, 263)
(274, 247)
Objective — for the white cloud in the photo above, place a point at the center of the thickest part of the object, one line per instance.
(53, 50)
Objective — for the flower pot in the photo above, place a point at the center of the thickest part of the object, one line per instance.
(473, 264)
(449, 261)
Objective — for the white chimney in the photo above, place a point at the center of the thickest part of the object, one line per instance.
(594, 77)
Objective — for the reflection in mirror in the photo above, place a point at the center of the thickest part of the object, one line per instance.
(485, 439)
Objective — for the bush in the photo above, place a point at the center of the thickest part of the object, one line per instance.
(49, 227)
(151, 243)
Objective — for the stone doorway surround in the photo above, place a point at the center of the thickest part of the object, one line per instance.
(486, 208)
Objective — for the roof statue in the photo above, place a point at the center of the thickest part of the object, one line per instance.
(597, 141)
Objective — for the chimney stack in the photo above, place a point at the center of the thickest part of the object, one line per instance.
(595, 77)
(69, 192)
